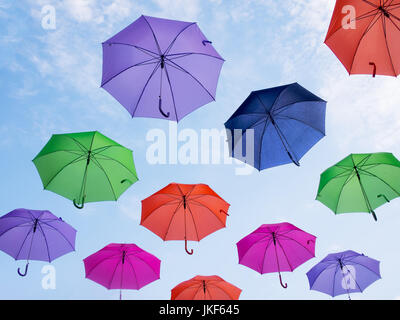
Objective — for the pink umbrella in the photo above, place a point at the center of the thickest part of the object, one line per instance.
(276, 248)
(122, 266)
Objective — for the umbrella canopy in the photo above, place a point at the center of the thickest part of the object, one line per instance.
(205, 288)
(287, 121)
(364, 35)
(276, 248)
(35, 235)
(187, 212)
(161, 68)
(360, 183)
(343, 272)
(85, 167)
(122, 266)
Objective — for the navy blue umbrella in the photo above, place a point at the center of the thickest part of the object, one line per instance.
(287, 121)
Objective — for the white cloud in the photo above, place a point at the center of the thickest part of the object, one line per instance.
(179, 9)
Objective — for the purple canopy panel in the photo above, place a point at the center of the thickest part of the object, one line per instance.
(35, 235)
(161, 68)
(122, 266)
(276, 248)
(343, 273)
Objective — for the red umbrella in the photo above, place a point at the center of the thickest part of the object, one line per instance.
(205, 288)
(365, 36)
(187, 212)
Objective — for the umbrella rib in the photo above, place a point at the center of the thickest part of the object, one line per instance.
(209, 293)
(308, 125)
(341, 190)
(253, 244)
(17, 226)
(265, 253)
(146, 51)
(194, 222)
(100, 262)
(134, 254)
(185, 54)
(319, 274)
(222, 290)
(82, 194)
(76, 160)
(80, 145)
(352, 261)
(172, 218)
(369, 27)
(180, 68)
(108, 179)
(162, 205)
(386, 42)
(196, 292)
(380, 180)
(334, 280)
(134, 272)
(281, 108)
(202, 205)
(146, 62)
(261, 141)
(172, 92)
(41, 221)
(113, 274)
(176, 37)
(145, 86)
(45, 240)
(113, 159)
(23, 242)
(291, 239)
(283, 250)
(335, 177)
(154, 35)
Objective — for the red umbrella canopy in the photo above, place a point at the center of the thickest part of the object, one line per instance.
(365, 36)
(205, 288)
(187, 212)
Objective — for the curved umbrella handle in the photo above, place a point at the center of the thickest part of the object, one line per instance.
(186, 248)
(374, 72)
(280, 279)
(166, 115)
(79, 206)
(26, 270)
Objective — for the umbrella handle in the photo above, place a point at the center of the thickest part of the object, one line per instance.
(186, 248)
(79, 206)
(206, 41)
(280, 279)
(26, 270)
(166, 115)
(374, 72)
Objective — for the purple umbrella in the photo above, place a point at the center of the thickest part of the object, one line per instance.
(35, 235)
(343, 272)
(161, 68)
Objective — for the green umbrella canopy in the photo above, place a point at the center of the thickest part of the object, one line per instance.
(85, 167)
(360, 183)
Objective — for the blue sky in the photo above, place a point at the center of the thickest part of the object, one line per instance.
(50, 83)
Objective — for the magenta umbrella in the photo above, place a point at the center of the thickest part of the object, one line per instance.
(122, 266)
(276, 248)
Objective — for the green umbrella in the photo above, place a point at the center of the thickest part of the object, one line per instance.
(85, 167)
(360, 183)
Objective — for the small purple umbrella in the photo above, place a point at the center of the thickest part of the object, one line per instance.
(35, 235)
(161, 68)
(343, 272)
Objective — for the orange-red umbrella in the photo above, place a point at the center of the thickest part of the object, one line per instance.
(187, 212)
(205, 288)
(364, 35)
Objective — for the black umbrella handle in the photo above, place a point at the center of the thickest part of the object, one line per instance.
(186, 248)
(374, 72)
(166, 115)
(25, 272)
(280, 279)
(79, 206)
